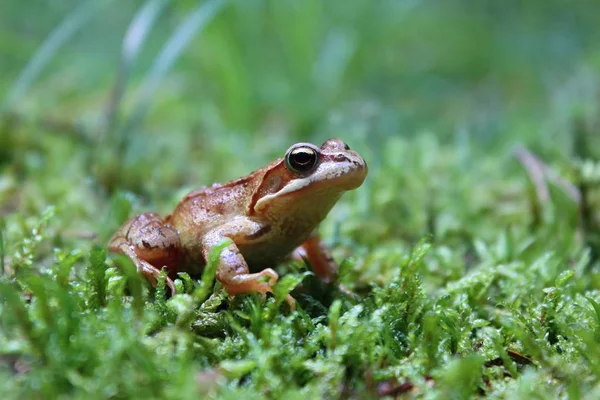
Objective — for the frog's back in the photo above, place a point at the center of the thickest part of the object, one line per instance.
(201, 210)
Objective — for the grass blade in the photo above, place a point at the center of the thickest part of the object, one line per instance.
(210, 271)
(170, 52)
(63, 32)
(134, 39)
(97, 277)
(2, 248)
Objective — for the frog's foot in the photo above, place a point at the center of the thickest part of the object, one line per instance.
(249, 283)
(317, 255)
(148, 241)
(234, 274)
(254, 283)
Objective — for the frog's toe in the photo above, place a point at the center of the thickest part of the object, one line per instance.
(152, 274)
(291, 302)
(273, 276)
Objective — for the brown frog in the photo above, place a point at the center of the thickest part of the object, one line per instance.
(268, 215)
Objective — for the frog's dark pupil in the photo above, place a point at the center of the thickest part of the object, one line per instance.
(302, 157)
(302, 160)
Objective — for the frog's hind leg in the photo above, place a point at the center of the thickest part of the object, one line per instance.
(317, 255)
(149, 242)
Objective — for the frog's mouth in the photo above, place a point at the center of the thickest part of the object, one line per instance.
(346, 171)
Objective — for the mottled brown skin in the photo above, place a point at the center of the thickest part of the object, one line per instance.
(268, 215)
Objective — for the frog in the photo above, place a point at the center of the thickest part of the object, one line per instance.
(261, 219)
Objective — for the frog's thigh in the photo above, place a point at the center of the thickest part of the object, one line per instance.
(153, 240)
(314, 251)
(149, 243)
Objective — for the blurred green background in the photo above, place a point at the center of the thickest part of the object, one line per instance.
(309, 69)
(157, 97)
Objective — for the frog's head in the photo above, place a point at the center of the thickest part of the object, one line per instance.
(309, 180)
(333, 167)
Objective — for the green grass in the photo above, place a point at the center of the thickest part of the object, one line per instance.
(470, 279)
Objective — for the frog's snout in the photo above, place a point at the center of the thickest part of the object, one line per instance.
(357, 171)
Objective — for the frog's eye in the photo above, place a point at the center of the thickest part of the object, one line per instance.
(301, 159)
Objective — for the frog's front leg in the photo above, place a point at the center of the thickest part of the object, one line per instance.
(317, 255)
(150, 244)
(233, 271)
